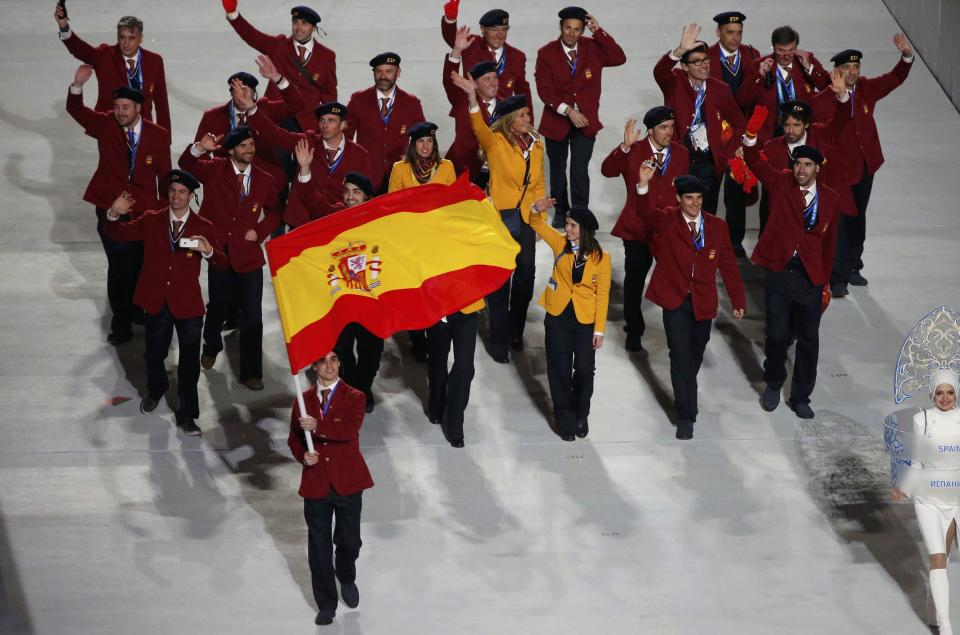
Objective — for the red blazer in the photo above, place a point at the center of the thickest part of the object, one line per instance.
(312, 204)
(328, 185)
(232, 216)
(170, 275)
(630, 225)
(107, 62)
(860, 139)
(555, 85)
(748, 58)
(754, 92)
(150, 168)
(824, 138)
(321, 66)
(217, 121)
(513, 77)
(682, 270)
(464, 152)
(336, 440)
(785, 231)
(386, 144)
(718, 106)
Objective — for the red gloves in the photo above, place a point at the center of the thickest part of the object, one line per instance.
(450, 9)
(825, 298)
(742, 174)
(229, 5)
(756, 120)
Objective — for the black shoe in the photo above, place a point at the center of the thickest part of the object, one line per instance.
(324, 618)
(516, 343)
(148, 404)
(633, 344)
(857, 279)
(583, 428)
(369, 406)
(457, 443)
(568, 437)
(739, 251)
(434, 419)
(501, 359)
(207, 361)
(770, 398)
(189, 428)
(684, 430)
(839, 289)
(119, 337)
(802, 410)
(350, 594)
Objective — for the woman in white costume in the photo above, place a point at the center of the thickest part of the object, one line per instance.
(938, 520)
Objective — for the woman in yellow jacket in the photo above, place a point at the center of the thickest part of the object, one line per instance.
(421, 165)
(576, 299)
(515, 157)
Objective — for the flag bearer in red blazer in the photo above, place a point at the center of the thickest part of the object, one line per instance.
(625, 160)
(465, 152)
(379, 117)
(134, 157)
(569, 72)
(509, 62)
(240, 200)
(309, 65)
(796, 249)
(334, 477)
(169, 288)
(125, 63)
(691, 247)
(707, 115)
(862, 156)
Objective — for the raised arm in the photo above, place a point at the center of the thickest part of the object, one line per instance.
(91, 120)
(247, 32)
(448, 23)
(616, 163)
(611, 52)
(537, 219)
(191, 159)
(883, 85)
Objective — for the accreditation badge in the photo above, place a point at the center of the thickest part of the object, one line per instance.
(149, 159)
(588, 73)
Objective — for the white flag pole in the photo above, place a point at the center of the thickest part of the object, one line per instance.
(303, 410)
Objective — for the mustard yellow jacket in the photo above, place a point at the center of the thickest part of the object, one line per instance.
(507, 166)
(402, 178)
(590, 296)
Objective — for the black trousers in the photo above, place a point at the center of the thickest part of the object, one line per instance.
(507, 306)
(857, 225)
(247, 289)
(450, 389)
(735, 202)
(579, 148)
(841, 255)
(687, 339)
(158, 331)
(570, 367)
(343, 514)
(701, 166)
(636, 265)
(124, 261)
(793, 308)
(360, 368)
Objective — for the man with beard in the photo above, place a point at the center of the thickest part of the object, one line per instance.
(379, 117)
(240, 200)
(672, 160)
(134, 157)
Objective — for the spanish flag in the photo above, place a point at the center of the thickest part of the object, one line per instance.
(399, 261)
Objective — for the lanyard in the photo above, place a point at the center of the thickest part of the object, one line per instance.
(386, 118)
(811, 212)
(736, 62)
(133, 144)
(853, 92)
(666, 161)
(573, 63)
(502, 64)
(175, 239)
(323, 410)
(698, 108)
(701, 233)
(332, 167)
(784, 88)
(135, 80)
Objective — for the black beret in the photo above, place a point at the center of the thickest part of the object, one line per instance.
(808, 152)
(184, 178)
(385, 58)
(306, 14)
(421, 129)
(361, 181)
(799, 109)
(495, 17)
(237, 136)
(729, 17)
(573, 13)
(508, 105)
(846, 57)
(584, 217)
(656, 116)
(482, 68)
(690, 184)
(331, 108)
(701, 47)
(245, 78)
(125, 92)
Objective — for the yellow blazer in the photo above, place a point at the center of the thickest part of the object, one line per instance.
(401, 176)
(507, 166)
(590, 296)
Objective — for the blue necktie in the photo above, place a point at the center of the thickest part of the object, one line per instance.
(810, 212)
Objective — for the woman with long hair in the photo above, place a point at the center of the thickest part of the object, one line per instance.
(515, 156)
(576, 300)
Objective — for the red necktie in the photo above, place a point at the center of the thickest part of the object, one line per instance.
(572, 55)
(241, 118)
(383, 106)
(240, 178)
(488, 106)
(693, 227)
(133, 65)
(731, 59)
(176, 227)
(302, 54)
(522, 142)
(331, 155)
(324, 396)
(659, 157)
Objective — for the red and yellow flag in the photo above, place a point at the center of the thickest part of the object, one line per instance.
(400, 261)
